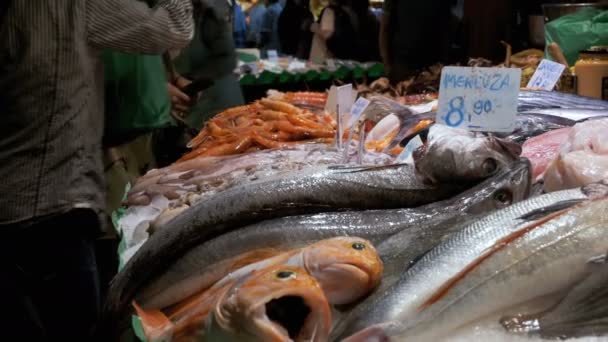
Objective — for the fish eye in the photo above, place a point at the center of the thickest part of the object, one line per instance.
(489, 166)
(503, 197)
(358, 246)
(285, 274)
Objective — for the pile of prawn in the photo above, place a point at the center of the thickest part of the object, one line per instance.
(262, 125)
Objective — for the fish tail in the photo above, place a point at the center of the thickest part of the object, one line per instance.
(582, 311)
(156, 325)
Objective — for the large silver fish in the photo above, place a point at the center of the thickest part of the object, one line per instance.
(493, 264)
(319, 189)
(538, 99)
(583, 311)
(202, 265)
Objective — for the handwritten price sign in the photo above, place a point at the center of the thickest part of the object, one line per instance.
(546, 75)
(479, 99)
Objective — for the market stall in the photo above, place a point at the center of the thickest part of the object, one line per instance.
(465, 203)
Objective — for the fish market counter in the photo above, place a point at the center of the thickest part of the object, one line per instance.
(286, 221)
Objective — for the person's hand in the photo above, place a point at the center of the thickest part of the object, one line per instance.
(181, 102)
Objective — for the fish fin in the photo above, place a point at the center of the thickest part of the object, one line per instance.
(582, 311)
(156, 325)
(598, 260)
(512, 148)
(542, 212)
(596, 190)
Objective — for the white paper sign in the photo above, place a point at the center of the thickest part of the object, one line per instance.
(273, 55)
(345, 98)
(332, 100)
(546, 75)
(406, 155)
(358, 108)
(479, 99)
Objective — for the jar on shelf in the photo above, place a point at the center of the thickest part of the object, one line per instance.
(592, 72)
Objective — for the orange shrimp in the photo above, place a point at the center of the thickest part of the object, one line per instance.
(280, 106)
(270, 115)
(314, 133)
(300, 121)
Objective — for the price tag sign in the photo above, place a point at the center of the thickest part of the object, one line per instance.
(546, 75)
(345, 98)
(407, 155)
(273, 56)
(358, 108)
(332, 100)
(479, 99)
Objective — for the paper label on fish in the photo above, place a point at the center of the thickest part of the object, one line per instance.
(546, 75)
(479, 99)
(407, 155)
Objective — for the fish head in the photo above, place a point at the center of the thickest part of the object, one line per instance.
(453, 155)
(279, 303)
(510, 186)
(347, 268)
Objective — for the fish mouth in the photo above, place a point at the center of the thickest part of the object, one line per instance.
(289, 314)
(361, 279)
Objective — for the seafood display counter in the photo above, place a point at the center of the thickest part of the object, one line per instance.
(287, 223)
(306, 76)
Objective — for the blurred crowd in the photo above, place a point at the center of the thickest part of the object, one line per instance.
(405, 35)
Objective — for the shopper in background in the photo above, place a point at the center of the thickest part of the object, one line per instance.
(239, 26)
(294, 28)
(211, 55)
(367, 29)
(486, 23)
(270, 27)
(413, 35)
(347, 30)
(322, 31)
(256, 15)
(51, 94)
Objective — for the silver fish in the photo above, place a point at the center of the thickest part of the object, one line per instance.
(458, 155)
(583, 311)
(212, 174)
(493, 264)
(319, 189)
(538, 99)
(202, 265)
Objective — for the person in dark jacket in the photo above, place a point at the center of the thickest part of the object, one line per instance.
(294, 33)
(413, 35)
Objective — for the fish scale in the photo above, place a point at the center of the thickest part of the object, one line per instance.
(416, 286)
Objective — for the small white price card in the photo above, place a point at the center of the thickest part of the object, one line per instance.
(358, 108)
(345, 98)
(479, 99)
(546, 75)
(273, 56)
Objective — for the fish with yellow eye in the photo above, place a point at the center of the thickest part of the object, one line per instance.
(347, 269)
(278, 303)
